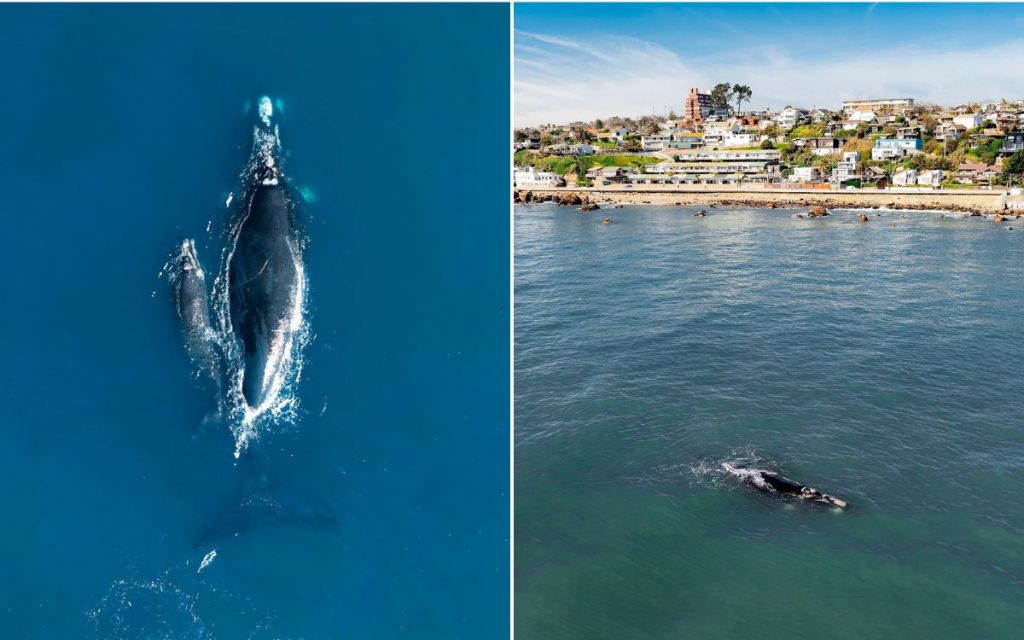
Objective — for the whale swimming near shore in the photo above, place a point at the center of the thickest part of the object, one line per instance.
(772, 483)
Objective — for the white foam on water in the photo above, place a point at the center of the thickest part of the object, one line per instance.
(753, 476)
(207, 559)
(743, 464)
(266, 108)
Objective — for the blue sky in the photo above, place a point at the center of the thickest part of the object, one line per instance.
(577, 61)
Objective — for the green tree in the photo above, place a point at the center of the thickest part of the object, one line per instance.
(545, 138)
(582, 135)
(652, 129)
(741, 93)
(721, 95)
(767, 144)
(598, 124)
(1013, 167)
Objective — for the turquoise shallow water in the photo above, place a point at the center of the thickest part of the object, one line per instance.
(879, 362)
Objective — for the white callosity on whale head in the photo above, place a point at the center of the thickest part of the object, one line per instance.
(189, 260)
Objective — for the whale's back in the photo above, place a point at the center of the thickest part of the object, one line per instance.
(264, 281)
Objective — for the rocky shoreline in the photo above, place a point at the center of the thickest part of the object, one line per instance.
(979, 204)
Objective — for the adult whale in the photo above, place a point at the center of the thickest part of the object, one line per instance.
(771, 482)
(266, 279)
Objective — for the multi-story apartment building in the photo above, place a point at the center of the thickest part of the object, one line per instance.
(883, 105)
(846, 169)
(697, 106)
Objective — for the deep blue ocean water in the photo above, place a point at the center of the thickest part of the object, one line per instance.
(124, 130)
(878, 361)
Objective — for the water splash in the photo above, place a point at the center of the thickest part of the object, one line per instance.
(172, 606)
(207, 559)
(743, 464)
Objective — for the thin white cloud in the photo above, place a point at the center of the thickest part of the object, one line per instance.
(561, 79)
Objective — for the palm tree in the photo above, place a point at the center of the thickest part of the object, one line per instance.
(579, 165)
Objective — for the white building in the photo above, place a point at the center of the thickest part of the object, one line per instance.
(709, 155)
(892, 148)
(791, 117)
(969, 120)
(527, 177)
(846, 169)
(932, 178)
(715, 132)
(740, 139)
(655, 142)
(884, 104)
(904, 178)
(805, 174)
(862, 115)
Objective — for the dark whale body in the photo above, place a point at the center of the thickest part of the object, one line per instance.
(265, 287)
(773, 483)
(194, 311)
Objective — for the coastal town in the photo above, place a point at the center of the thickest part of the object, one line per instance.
(897, 145)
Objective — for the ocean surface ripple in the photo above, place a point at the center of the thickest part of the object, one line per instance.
(876, 361)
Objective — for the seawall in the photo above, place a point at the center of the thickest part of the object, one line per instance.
(981, 201)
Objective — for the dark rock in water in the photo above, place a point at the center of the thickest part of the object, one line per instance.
(700, 214)
(591, 206)
(569, 199)
(606, 221)
(998, 218)
(679, 204)
(817, 211)
(862, 218)
(772, 205)
(975, 214)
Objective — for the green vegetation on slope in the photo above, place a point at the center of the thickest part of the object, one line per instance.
(569, 164)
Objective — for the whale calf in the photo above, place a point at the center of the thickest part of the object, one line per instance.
(192, 301)
(771, 482)
(266, 282)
